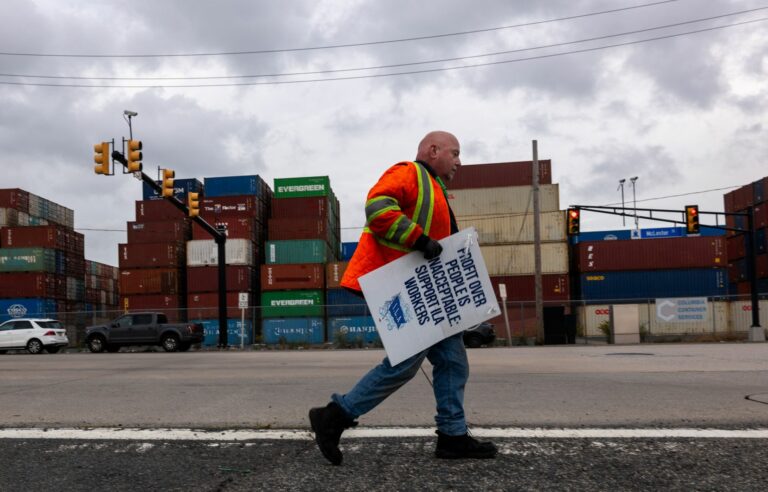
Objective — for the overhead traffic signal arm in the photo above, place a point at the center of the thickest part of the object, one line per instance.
(690, 211)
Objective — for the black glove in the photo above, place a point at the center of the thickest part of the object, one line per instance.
(428, 246)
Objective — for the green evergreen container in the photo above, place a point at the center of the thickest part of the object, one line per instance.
(298, 251)
(292, 303)
(27, 260)
(302, 187)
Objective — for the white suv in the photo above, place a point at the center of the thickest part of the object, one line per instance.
(33, 334)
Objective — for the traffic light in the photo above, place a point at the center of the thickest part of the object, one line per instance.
(101, 158)
(193, 201)
(134, 156)
(573, 221)
(692, 219)
(168, 175)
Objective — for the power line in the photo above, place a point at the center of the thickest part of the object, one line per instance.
(676, 196)
(442, 60)
(335, 46)
(411, 72)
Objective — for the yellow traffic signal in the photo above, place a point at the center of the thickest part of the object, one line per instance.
(134, 156)
(573, 221)
(692, 219)
(193, 201)
(101, 158)
(168, 175)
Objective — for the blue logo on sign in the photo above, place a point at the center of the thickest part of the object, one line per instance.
(395, 313)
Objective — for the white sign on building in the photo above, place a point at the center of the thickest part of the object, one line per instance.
(415, 303)
(682, 309)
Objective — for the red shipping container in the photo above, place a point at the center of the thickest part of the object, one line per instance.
(743, 197)
(728, 202)
(150, 281)
(522, 288)
(168, 231)
(157, 210)
(500, 174)
(236, 227)
(652, 254)
(206, 305)
(151, 255)
(171, 306)
(762, 266)
(760, 190)
(333, 273)
(74, 265)
(232, 206)
(316, 207)
(292, 276)
(761, 216)
(33, 284)
(49, 236)
(206, 278)
(737, 247)
(289, 229)
(15, 198)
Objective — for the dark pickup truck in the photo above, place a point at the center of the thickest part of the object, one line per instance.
(143, 329)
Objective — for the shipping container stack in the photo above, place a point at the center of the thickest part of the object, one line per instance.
(42, 261)
(304, 241)
(101, 291)
(153, 261)
(751, 195)
(497, 200)
(240, 205)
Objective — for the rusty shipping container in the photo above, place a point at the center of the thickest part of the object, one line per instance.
(290, 229)
(333, 273)
(521, 288)
(167, 231)
(15, 198)
(157, 210)
(206, 305)
(502, 201)
(206, 278)
(235, 228)
(500, 174)
(743, 197)
(292, 276)
(49, 236)
(151, 255)
(518, 259)
(32, 284)
(316, 207)
(652, 254)
(171, 306)
(516, 228)
(232, 206)
(150, 281)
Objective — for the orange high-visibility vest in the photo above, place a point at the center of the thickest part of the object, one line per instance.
(405, 203)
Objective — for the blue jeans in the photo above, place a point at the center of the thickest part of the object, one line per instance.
(450, 371)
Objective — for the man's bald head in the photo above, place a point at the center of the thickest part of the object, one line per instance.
(441, 151)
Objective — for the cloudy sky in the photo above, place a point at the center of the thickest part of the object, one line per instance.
(685, 113)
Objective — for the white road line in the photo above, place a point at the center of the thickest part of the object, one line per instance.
(374, 432)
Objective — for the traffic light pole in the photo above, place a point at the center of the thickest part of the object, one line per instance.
(217, 235)
(756, 333)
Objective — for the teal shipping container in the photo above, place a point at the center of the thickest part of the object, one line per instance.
(235, 334)
(353, 329)
(279, 303)
(293, 330)
(28, 260)
(298, 251)
(302, 187)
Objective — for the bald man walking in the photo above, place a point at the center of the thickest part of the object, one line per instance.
(407, 210)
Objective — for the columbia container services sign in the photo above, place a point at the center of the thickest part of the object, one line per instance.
(415, 303)
(686, 309)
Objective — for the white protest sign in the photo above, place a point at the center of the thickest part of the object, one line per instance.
(415, 303)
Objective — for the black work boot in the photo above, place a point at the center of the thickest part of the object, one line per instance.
(465, 446)
(328, 423)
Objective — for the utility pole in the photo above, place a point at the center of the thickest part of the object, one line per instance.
(537, 248)
(634, 200)
(621, 186)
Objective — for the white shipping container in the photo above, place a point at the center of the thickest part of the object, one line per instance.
(518, 259)
(9, 217)
(502, 200)
(201, 252)
(35, 205)
(23, 219)
(740, 315)
(590, 318)
(515, 229)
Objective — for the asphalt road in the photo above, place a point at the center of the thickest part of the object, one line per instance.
(721, 386)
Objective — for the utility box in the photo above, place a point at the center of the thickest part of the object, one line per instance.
(625, 323)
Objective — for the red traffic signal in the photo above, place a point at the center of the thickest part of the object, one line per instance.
(573, 215)
(692, 219)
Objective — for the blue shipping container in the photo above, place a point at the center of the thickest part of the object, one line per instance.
(181, 187)
(211, 330)
(652, 233)
(28, 308)
(235, 185)
(652, 284)
(347, 250)
(354, 328)
(341, 302)
(293, 330)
